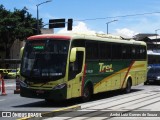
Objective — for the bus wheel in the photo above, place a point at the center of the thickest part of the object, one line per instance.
(128, 86)
(87, 93)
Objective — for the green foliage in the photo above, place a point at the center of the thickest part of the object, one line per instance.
(15, 25)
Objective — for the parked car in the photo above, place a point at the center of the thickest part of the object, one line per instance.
(4, 73)
(14, 73)
(153, 75)
(9, 70)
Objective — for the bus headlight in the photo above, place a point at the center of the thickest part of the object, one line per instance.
(158, 77)
(60, 86)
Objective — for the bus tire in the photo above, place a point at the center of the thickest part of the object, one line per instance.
(128, 86)
(87, 93)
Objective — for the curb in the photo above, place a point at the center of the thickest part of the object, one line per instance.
(53, 113)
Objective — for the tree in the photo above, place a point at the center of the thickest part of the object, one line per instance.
(15, 25)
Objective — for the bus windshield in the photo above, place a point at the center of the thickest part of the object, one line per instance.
(45, 59)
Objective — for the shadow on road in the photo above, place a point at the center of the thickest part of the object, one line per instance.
(75, 101)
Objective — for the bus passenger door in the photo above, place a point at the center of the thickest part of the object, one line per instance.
(76, 72)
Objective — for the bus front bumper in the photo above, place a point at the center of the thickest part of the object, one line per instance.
(53, 94)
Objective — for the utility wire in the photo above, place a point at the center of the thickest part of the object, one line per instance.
(131, 15)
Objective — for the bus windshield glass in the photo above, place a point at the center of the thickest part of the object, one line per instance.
(45, 58)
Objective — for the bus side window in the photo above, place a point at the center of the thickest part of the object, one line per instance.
(92, 50)
(116, 51)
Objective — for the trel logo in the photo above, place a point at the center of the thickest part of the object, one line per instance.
(105, 68)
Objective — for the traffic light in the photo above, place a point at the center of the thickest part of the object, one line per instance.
(70, 23)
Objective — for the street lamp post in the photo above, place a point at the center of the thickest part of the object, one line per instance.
(38, 14)
(110, 22)
(156, 37)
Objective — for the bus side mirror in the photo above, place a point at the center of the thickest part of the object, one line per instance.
(73, 55)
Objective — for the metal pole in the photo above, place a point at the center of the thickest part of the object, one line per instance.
(107, 28)
(156, 39)
(110, 22)
(38, 14)
(37, 20)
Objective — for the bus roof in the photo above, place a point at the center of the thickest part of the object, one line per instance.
(44, 36)
(87, 36)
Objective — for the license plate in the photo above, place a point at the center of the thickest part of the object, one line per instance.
(40, 91)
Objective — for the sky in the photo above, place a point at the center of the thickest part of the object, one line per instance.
(133, 16)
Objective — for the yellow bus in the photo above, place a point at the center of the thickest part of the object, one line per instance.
(64, 66)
